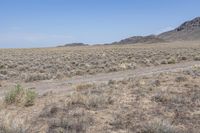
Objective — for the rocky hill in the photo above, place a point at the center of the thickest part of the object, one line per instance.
(189, 30)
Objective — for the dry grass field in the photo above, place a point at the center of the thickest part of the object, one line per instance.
(162, 102)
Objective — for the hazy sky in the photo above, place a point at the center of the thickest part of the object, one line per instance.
(42, 23)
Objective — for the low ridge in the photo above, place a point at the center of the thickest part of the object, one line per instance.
(140, 39)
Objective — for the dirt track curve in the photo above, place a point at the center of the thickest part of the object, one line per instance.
(66, 85)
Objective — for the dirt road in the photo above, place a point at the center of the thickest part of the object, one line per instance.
(66, 85)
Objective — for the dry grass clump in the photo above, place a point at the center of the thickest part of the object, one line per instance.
(35, 77)
(90, 99)
(164, 62)
(171, 60)
(19, 95)
(167, 97)
(197, 58)
(98, 101)
(194, 72)
(182, 58)
(158, 126)
(4, 129)
(70, 119)
(84, 86)
(181, 79)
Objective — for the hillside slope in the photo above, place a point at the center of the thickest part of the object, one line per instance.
(189, 30)
(140, 39)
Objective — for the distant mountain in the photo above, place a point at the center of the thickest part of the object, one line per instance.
(189, 30)
(73, 44)
(140, 39)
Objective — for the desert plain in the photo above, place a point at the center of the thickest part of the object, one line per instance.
(142, 88)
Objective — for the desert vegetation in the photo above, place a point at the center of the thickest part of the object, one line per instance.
(19, 95)
(140, 84)
(158, 103)
(29, 65)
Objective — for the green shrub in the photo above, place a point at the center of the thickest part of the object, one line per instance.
(29, 98)
(14, 95)
(19, 95)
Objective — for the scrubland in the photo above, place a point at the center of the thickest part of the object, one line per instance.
(164, 102)
(160, 103)
(30, 65)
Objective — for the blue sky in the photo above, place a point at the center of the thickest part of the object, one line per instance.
(44, 23)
